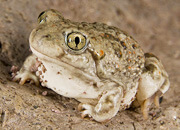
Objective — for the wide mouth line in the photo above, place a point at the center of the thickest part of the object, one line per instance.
(43, 56)
(51, 59)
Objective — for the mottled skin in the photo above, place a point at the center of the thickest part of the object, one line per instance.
(105, 69)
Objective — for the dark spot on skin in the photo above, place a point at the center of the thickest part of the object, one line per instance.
(112, 73)
(118, 53)
(116, 39)
(107, 35)
(108, 100)
(44, 69)
(160, 100)
(95, 84)
(123, 44)
(139, 57)
(45, 81)
(134, 46)
(94, 38)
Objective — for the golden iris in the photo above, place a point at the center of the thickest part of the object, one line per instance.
(76, 41)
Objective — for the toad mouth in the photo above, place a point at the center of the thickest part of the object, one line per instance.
(45, 57)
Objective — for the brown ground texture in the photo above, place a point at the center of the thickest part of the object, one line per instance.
(155, 24)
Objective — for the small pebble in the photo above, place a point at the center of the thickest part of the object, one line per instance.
(44, 93)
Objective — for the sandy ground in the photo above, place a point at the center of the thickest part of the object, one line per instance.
(155, 24)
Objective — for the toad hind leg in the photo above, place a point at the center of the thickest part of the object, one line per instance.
(106, 108)
(153, 83)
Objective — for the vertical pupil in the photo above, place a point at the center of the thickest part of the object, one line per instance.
(77, 41)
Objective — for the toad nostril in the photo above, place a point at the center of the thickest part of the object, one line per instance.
(46, 36)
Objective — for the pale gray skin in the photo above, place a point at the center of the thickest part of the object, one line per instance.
(106, 75)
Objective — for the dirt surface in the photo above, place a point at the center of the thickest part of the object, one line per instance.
(155, 24)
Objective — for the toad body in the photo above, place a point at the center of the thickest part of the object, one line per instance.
(99, 65)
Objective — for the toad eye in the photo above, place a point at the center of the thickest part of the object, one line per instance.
(76, 41)
(42, 17)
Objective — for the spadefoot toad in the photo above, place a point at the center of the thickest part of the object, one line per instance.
(99, 65)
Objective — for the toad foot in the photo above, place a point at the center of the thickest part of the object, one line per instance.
(22, 77)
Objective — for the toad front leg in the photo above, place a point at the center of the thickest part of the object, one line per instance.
(27, 71)
(106, 108)
(153, 84)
